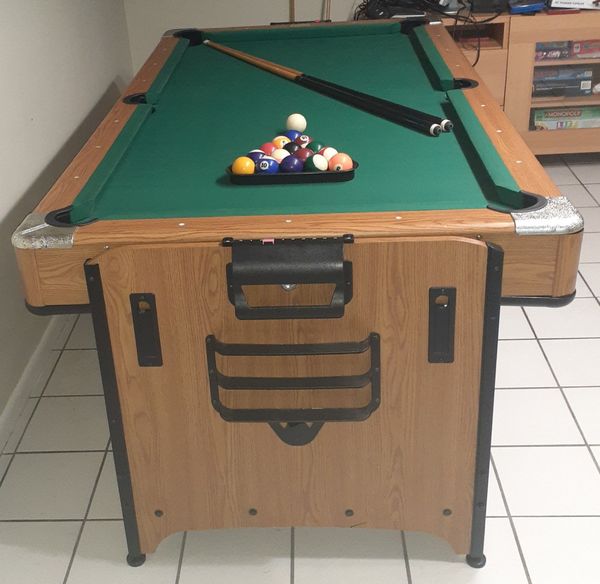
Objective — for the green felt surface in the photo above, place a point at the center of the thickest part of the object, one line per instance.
(206, 108)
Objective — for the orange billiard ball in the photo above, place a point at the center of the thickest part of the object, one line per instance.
(340, 162)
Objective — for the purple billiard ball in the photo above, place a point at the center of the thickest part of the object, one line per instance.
(292, 134)
(291, 164)
(267, 165)
(255, 155)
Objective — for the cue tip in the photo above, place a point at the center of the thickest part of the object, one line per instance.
(205, 42)
(435, 129)
(447, 125)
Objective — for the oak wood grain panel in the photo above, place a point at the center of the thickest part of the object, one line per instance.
(567, 261)
(413, 458)
(518, 158)
(30, 280)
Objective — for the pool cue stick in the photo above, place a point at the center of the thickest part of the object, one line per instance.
(390, 111)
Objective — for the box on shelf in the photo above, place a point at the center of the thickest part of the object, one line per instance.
(565, 118)
(570, 81)
(580, 4)
(586, 49)
(552, 50)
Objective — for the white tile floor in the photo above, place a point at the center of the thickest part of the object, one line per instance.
(60, 518)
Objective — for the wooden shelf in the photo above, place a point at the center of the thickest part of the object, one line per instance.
(537, 102)
(559, 62)
(563, 141)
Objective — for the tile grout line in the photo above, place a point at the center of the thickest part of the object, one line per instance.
(511, 520)
(568, 165)
(589, 287)
(292, 554)
(406, 559)
(589, 449)
(37, 398)
(85, 516)
(181, 554)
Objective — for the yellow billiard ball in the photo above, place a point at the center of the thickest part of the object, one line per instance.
(280, 141)
(243, 165)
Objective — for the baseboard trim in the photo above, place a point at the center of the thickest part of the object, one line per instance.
(36, 373)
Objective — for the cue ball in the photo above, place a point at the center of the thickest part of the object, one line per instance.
(243, 165)
(280, 141)
(268, 148)
(328, 152)
(291, 164)
(296, 122)
(340, 162)
(280, 154)
(316, 163)
(267, 165)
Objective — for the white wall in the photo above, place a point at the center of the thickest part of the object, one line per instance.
(63, 64)
(147, 20)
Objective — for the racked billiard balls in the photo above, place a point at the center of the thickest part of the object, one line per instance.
(303, 154)
(267, 165)
(280, 154)
(268, 148)
(340, 162)
(291, 164)
(292, 134)
(256, 155)
(292, 147)
(328, 152)
(316, 146)
(280, 141)
(316, 163)
(303, 140)
(296, 122)
(243, 165)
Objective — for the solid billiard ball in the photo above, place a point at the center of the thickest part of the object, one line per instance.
(296, 122)
(292, 134)
(268, 148)
(292, 147)
(267, 165)
(303, 140)
(256, 155)
(243, 165)
(303, 154)
(316, 146)
(316, 163)
(280, 141)
(291, 164)
(280, 154)
(328, 152)
(340, 162)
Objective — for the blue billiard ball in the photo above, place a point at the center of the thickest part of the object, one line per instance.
(293, 164)
(255, 155)
(267, 165)
(292, 134)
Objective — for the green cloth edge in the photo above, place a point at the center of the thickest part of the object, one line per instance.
(84, 211)
(166, 71)
(445, 78)
(508, 194)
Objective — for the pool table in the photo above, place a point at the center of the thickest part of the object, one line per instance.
(300, 354)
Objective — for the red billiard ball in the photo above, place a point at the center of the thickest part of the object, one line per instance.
(268, 148)
(303, 154)
(303, 140)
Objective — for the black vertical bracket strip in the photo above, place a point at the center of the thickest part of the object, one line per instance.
(113, 409)
(442, 317)
(145, 328)
(491, 319)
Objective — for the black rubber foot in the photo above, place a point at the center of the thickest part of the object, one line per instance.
(136, 560)
(477, 562)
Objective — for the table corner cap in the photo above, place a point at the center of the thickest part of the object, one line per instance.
(35, 233)
(557, 217)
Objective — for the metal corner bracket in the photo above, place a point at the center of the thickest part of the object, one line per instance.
(557, 216)
(35, 233)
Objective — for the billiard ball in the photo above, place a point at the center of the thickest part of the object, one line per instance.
(316, 163)
(256, 155)
(243, 165)
(292, 147)
(280, 154)
(340, 162)
(316, 146)
(267, 165)
(280, 141)
(291, 164)
(296, 122)
(328, 152)
(303, 154)
(268, 148)
(292, 134)
(303, 140)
